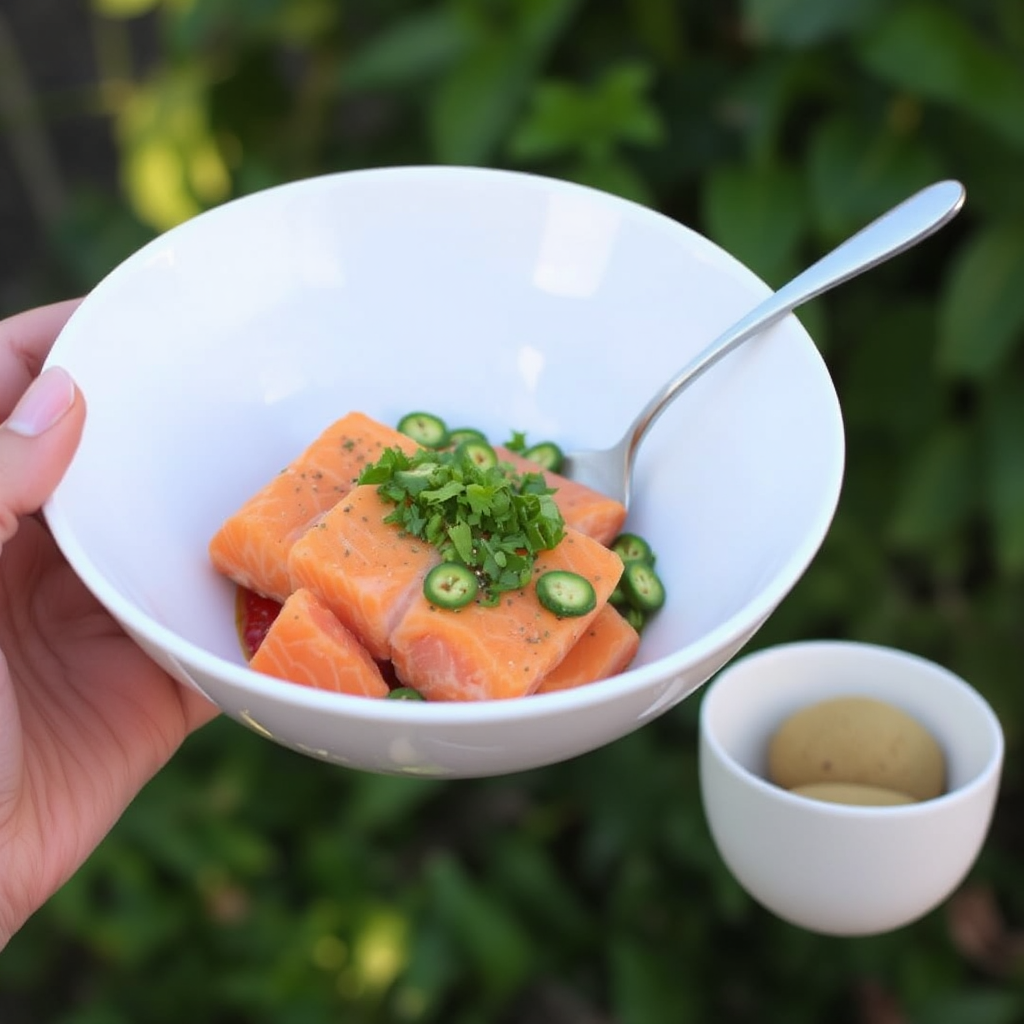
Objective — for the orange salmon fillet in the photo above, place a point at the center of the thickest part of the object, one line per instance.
(481, 653)
(307, 645)
(252, 545)
(365, 570)
(351, 585)
(605, 649)
(583, 508)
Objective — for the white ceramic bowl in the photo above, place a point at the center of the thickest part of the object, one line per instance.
(833, 868)
(500, 300)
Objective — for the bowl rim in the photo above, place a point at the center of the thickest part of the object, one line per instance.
(741, 625)
(711, 745)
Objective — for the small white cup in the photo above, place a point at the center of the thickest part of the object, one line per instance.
(833, 868)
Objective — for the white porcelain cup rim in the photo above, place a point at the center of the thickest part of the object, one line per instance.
(986, 719)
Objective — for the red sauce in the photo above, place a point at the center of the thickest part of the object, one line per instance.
(254, 615)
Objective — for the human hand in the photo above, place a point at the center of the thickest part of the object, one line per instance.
(86, 718)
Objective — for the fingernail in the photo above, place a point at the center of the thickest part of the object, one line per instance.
(49, 396)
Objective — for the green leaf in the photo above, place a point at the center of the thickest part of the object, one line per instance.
(991, 168)
(1003, 425)
(569, 118)
(530, 876)
(659, 25)
(802, 23)
(470, 112)
(889, 389)
(95, 234)
(383, 799)
(590, 124)
(612, 174)
(195, 26)
(413, 49)
(123, 8)
(554, 124)
(936, 53)
(763, 98)
(643, 981)
(759, 214)
(473, 105)
(624, 96)
(858, 170)
(982, 309)
(972, 1006)
(434, 966)
(461, 535)
(941, 489)
(489, 937)
(303, 23)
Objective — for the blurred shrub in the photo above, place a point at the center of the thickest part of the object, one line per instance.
(247, 884)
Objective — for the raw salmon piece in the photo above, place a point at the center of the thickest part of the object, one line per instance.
(252, 545)
(479, 652)
(605, 649)
(308, 645)
(583, 508)
(365, 570)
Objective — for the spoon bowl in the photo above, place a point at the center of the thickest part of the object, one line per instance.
(610, 470)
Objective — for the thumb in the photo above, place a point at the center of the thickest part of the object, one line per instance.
(37, 442)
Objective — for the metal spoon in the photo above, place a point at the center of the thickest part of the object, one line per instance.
(610, 471)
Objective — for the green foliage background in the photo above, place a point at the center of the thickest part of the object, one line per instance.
(247, 884)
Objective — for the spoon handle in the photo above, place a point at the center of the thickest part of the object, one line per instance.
(890, 234)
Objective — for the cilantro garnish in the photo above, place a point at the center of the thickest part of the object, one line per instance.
(493, 520)
(517, 442)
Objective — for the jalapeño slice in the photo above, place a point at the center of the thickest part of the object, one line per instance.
(450, 585)
(566, 593)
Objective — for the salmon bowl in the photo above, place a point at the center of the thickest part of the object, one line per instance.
(518, 305)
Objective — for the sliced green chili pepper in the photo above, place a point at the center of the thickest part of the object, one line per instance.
(631, 548)
(634, 617)
(547, 455)
(450, 585)
(480, 452)
(566, 593)
(643, 587)
(460, 434)
(424, 428)
(405, 693)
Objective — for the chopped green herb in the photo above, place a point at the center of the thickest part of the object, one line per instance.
(487, 517)
(517, 442)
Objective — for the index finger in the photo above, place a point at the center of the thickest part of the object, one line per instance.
(25, 340)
